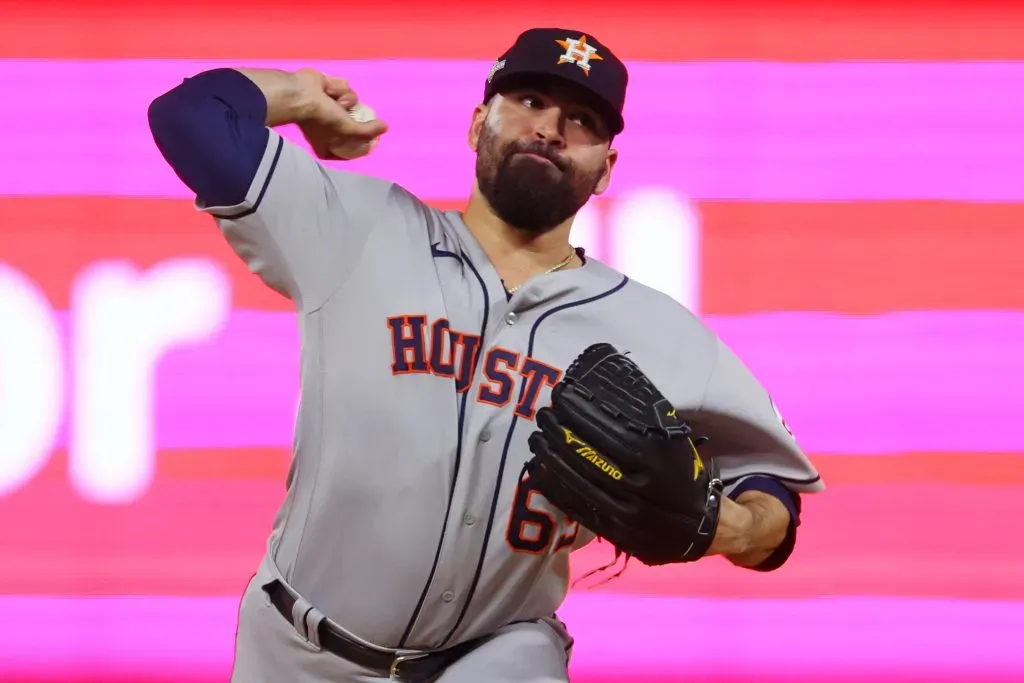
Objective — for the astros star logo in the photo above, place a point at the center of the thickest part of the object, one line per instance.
(578, 52)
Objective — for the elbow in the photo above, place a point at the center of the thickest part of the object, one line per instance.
(169, 119)
(205, 132)
(206, 105)
(162, 112)
(775, 559)
(181, 106)
(177, 126)
(172, 119)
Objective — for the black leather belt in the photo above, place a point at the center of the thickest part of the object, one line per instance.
(413, 668)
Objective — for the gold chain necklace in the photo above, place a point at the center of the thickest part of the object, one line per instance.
(558, 266)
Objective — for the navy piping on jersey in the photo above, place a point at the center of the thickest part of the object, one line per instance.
(504, 452)
(439, 253)
(792, 480)
(263, 190)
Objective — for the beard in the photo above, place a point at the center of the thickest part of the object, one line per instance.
(527, 193)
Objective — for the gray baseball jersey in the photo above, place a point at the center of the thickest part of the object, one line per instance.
(407, 520)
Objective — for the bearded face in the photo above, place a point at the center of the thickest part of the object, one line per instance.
(530, 184)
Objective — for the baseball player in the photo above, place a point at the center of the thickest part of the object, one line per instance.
(412, 544)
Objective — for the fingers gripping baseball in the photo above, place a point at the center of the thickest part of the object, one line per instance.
(338, 126)
(338, 88)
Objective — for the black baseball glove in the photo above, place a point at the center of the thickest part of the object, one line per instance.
(612, 455)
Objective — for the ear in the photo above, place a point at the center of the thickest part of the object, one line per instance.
(606, 177)
(476, 125)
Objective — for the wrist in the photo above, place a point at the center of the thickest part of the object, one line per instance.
(733, 536)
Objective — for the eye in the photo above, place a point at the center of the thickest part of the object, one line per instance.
(531, 101)
(584, 120)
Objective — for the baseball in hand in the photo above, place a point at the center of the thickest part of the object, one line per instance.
(362, 113)
(353, 148)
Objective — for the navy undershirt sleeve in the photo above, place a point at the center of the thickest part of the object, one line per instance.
(788, 498)
(211, 130)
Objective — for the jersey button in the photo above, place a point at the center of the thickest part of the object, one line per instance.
(468, 519)
(447, 596)
(485, 435)
(511, 318)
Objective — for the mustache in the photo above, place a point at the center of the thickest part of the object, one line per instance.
(540, 149)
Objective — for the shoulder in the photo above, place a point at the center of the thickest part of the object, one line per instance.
(653, 312)
(662, 335)
(353, 185)
(361, 187)
(392, 209)
(384, 196)
(654, 302)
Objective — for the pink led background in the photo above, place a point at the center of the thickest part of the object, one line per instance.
(856, 182)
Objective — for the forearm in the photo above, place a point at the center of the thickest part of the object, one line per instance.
(287, 100)
(750, 528)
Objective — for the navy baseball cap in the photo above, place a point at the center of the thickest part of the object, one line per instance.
(574, 56)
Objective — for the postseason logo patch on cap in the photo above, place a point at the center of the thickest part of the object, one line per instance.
(495, 68)
(578, 52)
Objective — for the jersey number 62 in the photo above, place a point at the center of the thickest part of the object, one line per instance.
(531, 528)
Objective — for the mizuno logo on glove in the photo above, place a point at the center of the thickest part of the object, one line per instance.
(586, 452)
(698, 464)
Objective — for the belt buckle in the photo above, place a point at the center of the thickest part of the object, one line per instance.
(401, 659)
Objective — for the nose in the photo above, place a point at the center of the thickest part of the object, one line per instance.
(548, 126)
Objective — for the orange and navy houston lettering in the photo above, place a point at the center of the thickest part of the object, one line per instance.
(499, 366)
(408, 344)
(537, 375)
(444, 352)
(442, 349)
(469, 345)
